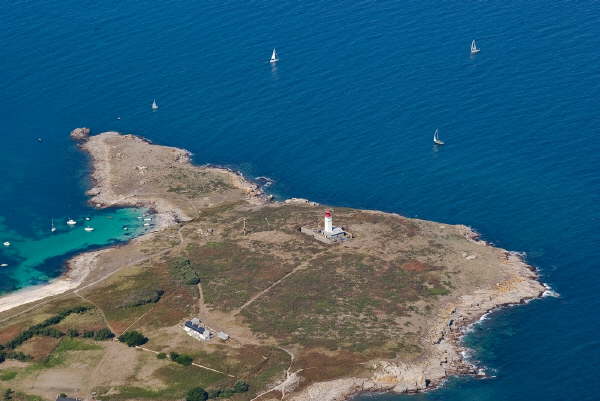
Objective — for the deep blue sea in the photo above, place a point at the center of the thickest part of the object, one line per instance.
(346, 118)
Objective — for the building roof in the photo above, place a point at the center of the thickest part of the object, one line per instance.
(327, 213)
(194, 327)
(335, 231)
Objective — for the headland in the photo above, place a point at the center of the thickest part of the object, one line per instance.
(381, 310)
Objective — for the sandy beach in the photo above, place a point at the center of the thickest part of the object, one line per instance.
(102, 195)
(78, 269)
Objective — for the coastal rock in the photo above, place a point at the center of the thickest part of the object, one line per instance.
(92, 191)
(80, 134)
(299, 201)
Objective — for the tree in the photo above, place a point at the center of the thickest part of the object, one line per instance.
(181, 359)
(103, 334)
(133, 338)
(241, 386)
(196, 394)
(8, 395)
(72, 333)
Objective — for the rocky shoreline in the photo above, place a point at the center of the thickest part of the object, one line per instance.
(79, 266)
(447, 355)
(125, 171)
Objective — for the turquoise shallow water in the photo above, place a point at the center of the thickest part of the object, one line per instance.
(33, 260)
(345, 118)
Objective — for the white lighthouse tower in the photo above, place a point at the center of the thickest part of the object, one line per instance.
(328, 222)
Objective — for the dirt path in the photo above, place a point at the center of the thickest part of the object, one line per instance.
(301, 266)
(93, 283)
(180, 246)
(290, 382)
(76, 292)
(193, 363)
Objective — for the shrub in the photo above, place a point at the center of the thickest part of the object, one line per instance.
(181, 359)
(19, 356)
(142, 297)
(43, 329)
(73, 333)
(241, 386)
(196, 394)
(183, 270)
(133, 338)
(8, 395)
(161, 355)
(103, 334)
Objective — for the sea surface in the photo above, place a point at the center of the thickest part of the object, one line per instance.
(345, 118)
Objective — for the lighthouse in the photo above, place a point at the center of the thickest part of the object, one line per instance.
(328, 222)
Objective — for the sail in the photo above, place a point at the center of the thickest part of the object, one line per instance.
(154, 105)
(274, 56)
(435, 135)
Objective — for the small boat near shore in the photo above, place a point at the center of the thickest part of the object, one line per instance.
(89, 229)
(6, 243)
(52, 227)
(436, 138)
(71, 222)
(4, 265)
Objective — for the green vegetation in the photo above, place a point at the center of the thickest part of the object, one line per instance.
(196, 394)
(181, 359)
(71, 344)
(239, 387)
(133, 338)
(232, 273)
(142, 296)
(7, 375)
(57, 357)
(365, 293)
(98, 335)
(183, 270)
(41, 329)
(8, 395)
(196, 183)
(161, 355)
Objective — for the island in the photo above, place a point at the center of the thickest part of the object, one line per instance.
(236, 296)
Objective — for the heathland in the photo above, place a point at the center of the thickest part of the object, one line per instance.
(307, 320)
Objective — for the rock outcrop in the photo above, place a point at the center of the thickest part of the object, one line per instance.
(80, 134)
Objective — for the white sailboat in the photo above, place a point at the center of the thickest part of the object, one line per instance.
(88, 229)
(52, 228)
(474, 49)
(436, 138)
(154, 105)
(274, 57)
